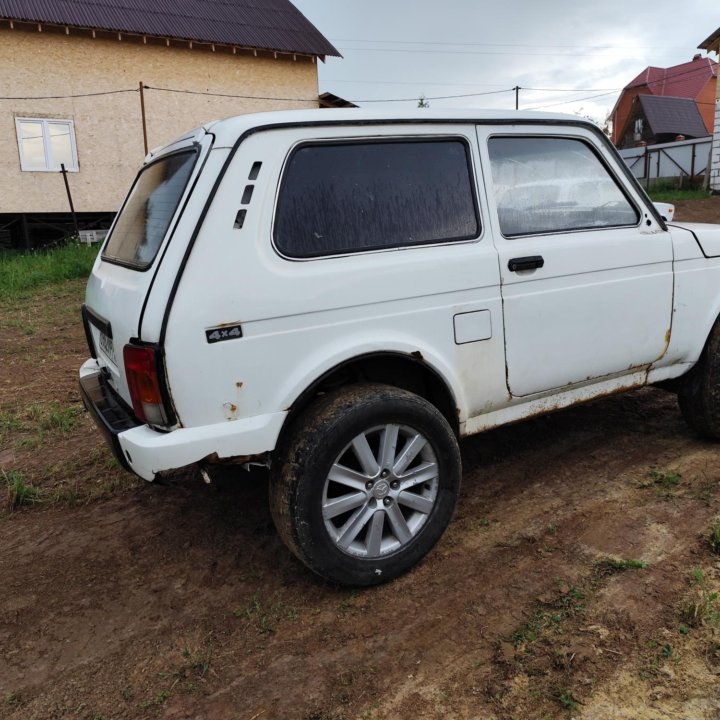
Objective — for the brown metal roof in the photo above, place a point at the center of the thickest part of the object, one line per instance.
(263, 24)
(673, 115)
(328, 100)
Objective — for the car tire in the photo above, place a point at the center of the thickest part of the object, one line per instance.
(365, 483)
(699, 391)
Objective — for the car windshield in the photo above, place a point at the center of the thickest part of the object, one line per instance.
(148, 211)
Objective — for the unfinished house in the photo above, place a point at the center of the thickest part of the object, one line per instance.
(89, 86)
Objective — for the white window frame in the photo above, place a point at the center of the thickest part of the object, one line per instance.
(49, 165)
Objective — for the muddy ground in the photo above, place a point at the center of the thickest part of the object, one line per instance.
(576, 579)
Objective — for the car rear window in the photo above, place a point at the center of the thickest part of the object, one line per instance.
(358, 196)
(146, 215)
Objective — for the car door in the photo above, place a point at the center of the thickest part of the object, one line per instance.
(586, 269)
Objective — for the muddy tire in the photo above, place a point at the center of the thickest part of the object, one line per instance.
(365, 483)
(699, 392)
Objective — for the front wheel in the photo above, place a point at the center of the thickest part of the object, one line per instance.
(699, 390)
(365, 484)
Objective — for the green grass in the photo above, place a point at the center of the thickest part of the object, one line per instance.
(702, 607)
(663, 483)
(547, 619)
(9, 423)
(665, 480)
(258, 614)
(609, 566)
(24, 271)
(566, 699)
(19, 492)
(60, 418)
(714, 537)
(28, 426)
(670, 193)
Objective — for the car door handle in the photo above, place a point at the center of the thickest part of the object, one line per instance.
(525, 263)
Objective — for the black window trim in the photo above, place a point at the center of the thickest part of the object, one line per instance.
(193, 149)
(613, 175)
(376, 140)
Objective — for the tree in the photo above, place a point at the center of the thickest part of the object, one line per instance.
(423, 102)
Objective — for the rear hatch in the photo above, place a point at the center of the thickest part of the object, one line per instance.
(127, 266)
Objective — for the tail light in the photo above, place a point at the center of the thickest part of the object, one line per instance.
(144, 385)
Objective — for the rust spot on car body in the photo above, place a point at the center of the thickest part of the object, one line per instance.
(231, 410)
(228, 324)
(239, 384)
(417, 355)
(553, 404)
(668, 334)
(215, 459)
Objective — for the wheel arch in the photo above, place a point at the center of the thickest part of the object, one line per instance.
(693, 355)
(406, 371)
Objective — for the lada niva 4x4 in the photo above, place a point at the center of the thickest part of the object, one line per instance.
(343, 295)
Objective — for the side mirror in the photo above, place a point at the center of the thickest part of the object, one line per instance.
(666, 210)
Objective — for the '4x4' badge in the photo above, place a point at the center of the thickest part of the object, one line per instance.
(227, 332)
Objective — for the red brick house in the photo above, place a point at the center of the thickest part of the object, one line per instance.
(712, 45)
(695, 80)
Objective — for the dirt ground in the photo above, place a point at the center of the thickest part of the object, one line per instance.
(576, 580)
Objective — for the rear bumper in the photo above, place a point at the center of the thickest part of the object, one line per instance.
(112, 416)
(147, 452)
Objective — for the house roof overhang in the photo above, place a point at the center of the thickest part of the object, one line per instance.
(711, 43)
(266, 25)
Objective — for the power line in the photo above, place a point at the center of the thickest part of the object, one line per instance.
(242, 97)
(572, 89)
(568, 102)
(345, 48)
(227, 95)
(423, 83)
(525, 45)
(438, 97)
(661, 81)
(371, 100)
(67, 97)
(413, 82)
(605, 92)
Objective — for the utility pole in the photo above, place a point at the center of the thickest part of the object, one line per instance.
(142, 112)
(70, 201)
(517, 96)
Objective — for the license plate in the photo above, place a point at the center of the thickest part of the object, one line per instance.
(106, 345)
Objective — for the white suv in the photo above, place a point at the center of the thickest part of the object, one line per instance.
(342, 295)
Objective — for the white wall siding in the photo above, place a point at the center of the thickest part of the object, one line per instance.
(715, 166)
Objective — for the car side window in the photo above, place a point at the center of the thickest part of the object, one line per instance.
(351, 197)
(553, 184)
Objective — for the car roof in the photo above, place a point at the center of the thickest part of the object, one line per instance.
(228, 131)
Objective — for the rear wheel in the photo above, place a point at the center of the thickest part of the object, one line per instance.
(365, 483)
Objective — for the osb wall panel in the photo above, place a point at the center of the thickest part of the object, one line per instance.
(108, 128)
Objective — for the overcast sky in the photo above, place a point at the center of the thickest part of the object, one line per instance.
(395, 49)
